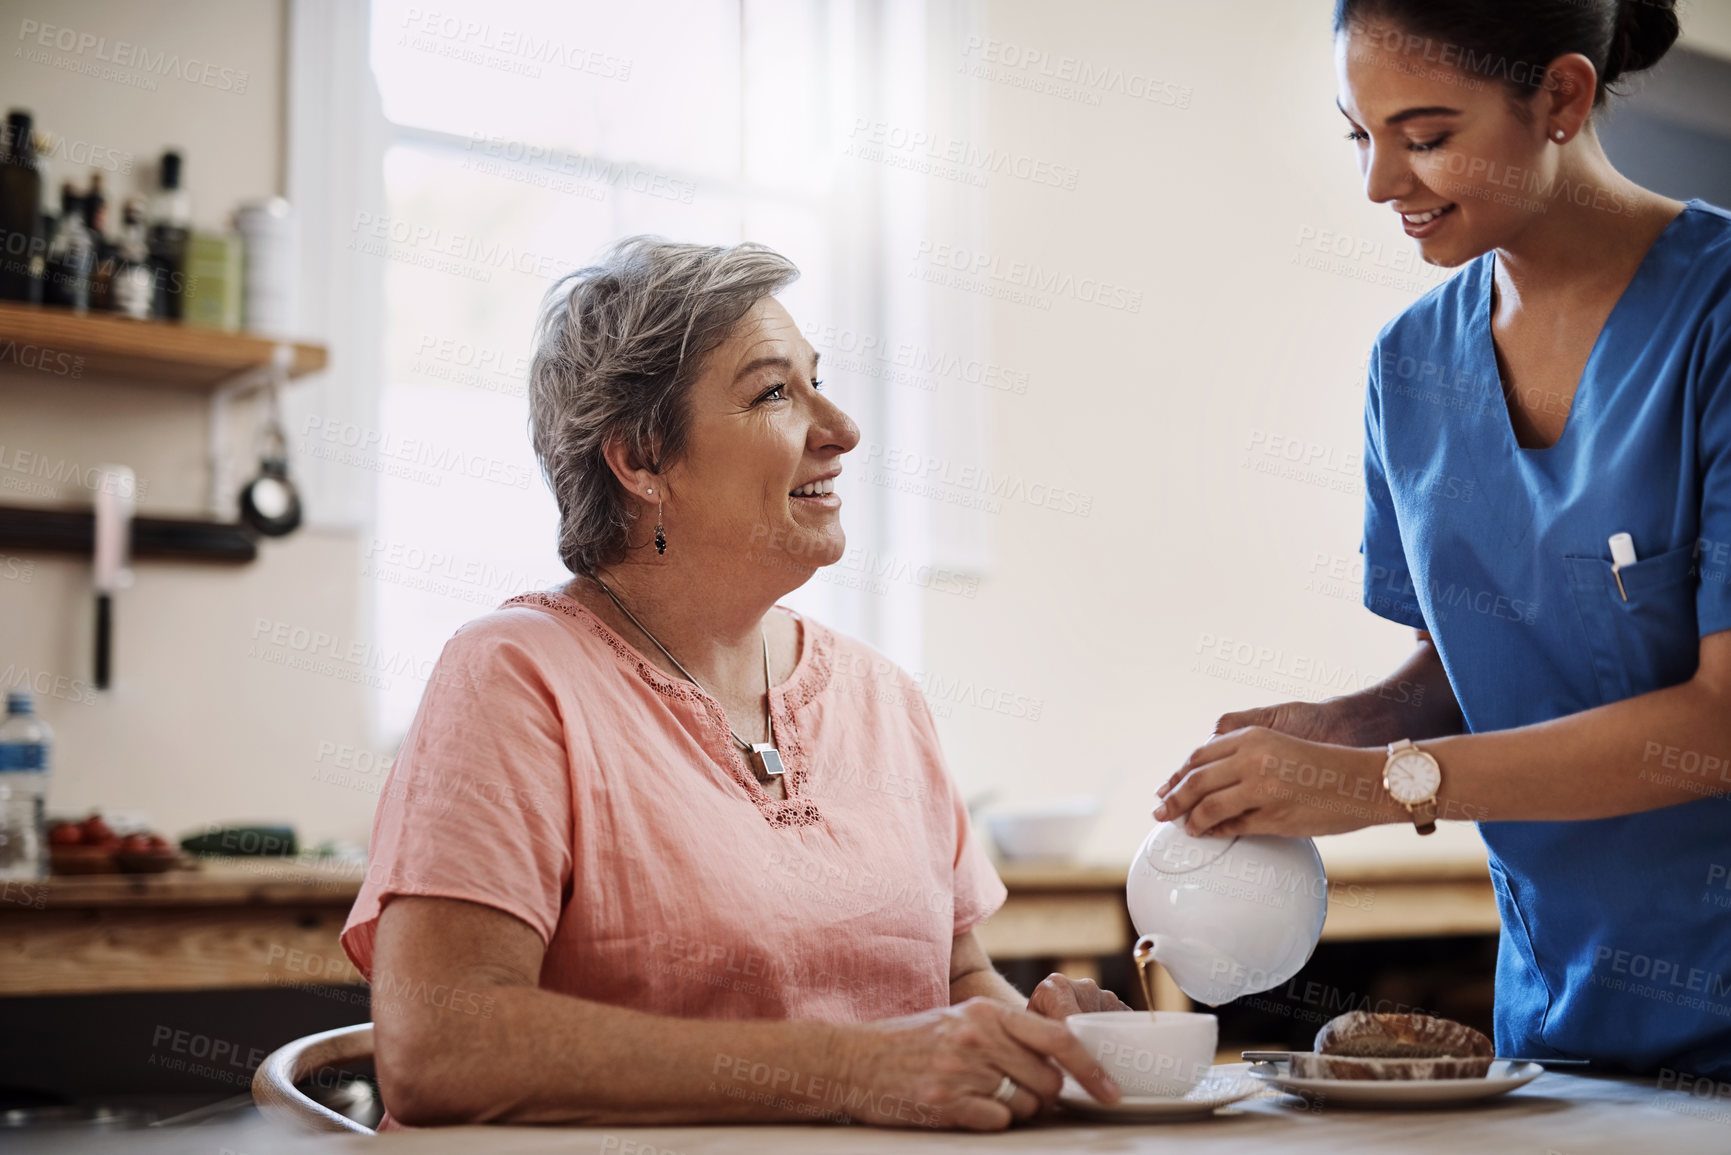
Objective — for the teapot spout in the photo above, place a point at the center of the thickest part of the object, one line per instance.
(1145, 954)
(1201, 972)
(1147, 949)
(1174, 952)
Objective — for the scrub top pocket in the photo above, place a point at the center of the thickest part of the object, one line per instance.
(1648, 642)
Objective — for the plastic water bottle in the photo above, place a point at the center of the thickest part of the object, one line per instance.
(24, 743)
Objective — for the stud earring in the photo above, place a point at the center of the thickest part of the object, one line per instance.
(1559, 135)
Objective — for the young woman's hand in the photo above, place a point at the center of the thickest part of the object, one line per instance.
(941, 1068)
(1257, 780)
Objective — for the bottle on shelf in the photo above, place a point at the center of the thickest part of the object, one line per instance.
(71, 256)
(102, 269)
(25, 741)
(133, 283)
(213, 281)
(46, 214)
(170, 228)
(268, 234)
(23, 244)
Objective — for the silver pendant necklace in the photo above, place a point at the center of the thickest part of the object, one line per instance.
(763, 758)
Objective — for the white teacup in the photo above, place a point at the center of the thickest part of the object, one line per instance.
(1150, 1053)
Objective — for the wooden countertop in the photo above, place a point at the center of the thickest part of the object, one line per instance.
(295, 881)
(209, 882)
(227, 923)
(247, 922)
(1370, 856)
(1567, 1114)
(1034, 876)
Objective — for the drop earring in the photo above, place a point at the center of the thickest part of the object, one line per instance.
(660, 533)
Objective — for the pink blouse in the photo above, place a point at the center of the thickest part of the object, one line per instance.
(553, 773)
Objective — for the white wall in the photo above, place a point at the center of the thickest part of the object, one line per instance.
(1707, 26)
(1208, 210)
(133, 79)
(195, 729)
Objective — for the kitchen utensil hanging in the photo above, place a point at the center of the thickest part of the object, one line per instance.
(270, 503)
(116, 499)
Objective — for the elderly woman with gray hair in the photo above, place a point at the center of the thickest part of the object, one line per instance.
(656, 849)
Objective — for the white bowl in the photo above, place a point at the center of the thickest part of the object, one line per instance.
(1150, 1053)
(1053, 832)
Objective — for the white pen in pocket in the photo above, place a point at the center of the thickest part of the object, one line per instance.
(1622, 554)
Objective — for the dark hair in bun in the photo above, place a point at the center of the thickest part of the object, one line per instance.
(1646, 29)
(1515, 40)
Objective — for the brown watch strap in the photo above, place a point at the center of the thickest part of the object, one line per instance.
(1424, 816)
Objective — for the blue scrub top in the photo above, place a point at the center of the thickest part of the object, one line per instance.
(1616, 933)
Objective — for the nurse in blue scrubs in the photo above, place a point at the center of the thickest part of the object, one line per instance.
(1548, 503)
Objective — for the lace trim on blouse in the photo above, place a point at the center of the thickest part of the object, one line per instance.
(807, 684)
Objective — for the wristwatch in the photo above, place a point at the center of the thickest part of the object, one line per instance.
(1412, 778)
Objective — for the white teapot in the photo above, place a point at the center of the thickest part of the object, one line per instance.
(1226, 916)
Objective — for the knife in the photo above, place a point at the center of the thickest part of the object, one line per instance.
(116, 496)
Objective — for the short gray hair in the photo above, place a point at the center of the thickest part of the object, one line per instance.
(617, 347)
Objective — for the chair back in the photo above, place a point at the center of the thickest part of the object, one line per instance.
(273, 1084)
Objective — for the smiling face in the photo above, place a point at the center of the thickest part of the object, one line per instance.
(1447, 149)
(762, 451)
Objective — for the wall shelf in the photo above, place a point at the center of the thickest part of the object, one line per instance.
(164, 355)
(161, 354)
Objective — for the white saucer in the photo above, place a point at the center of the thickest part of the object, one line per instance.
(1222, 1085)
(1504, 1076)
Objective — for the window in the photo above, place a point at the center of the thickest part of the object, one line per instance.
(521, 137)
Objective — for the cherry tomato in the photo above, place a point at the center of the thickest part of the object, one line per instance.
(65, 834)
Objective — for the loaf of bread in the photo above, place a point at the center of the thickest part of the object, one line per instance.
(1364, 1035)
(1363, 1045)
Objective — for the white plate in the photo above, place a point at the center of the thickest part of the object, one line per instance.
(1504, 1076)
(1222, 1085)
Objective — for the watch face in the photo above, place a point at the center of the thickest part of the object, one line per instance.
(1412, 777)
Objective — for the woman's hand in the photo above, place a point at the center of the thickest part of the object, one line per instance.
(1257, 780)
(1312, 721)
(941, 1068)
(1061, 996)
